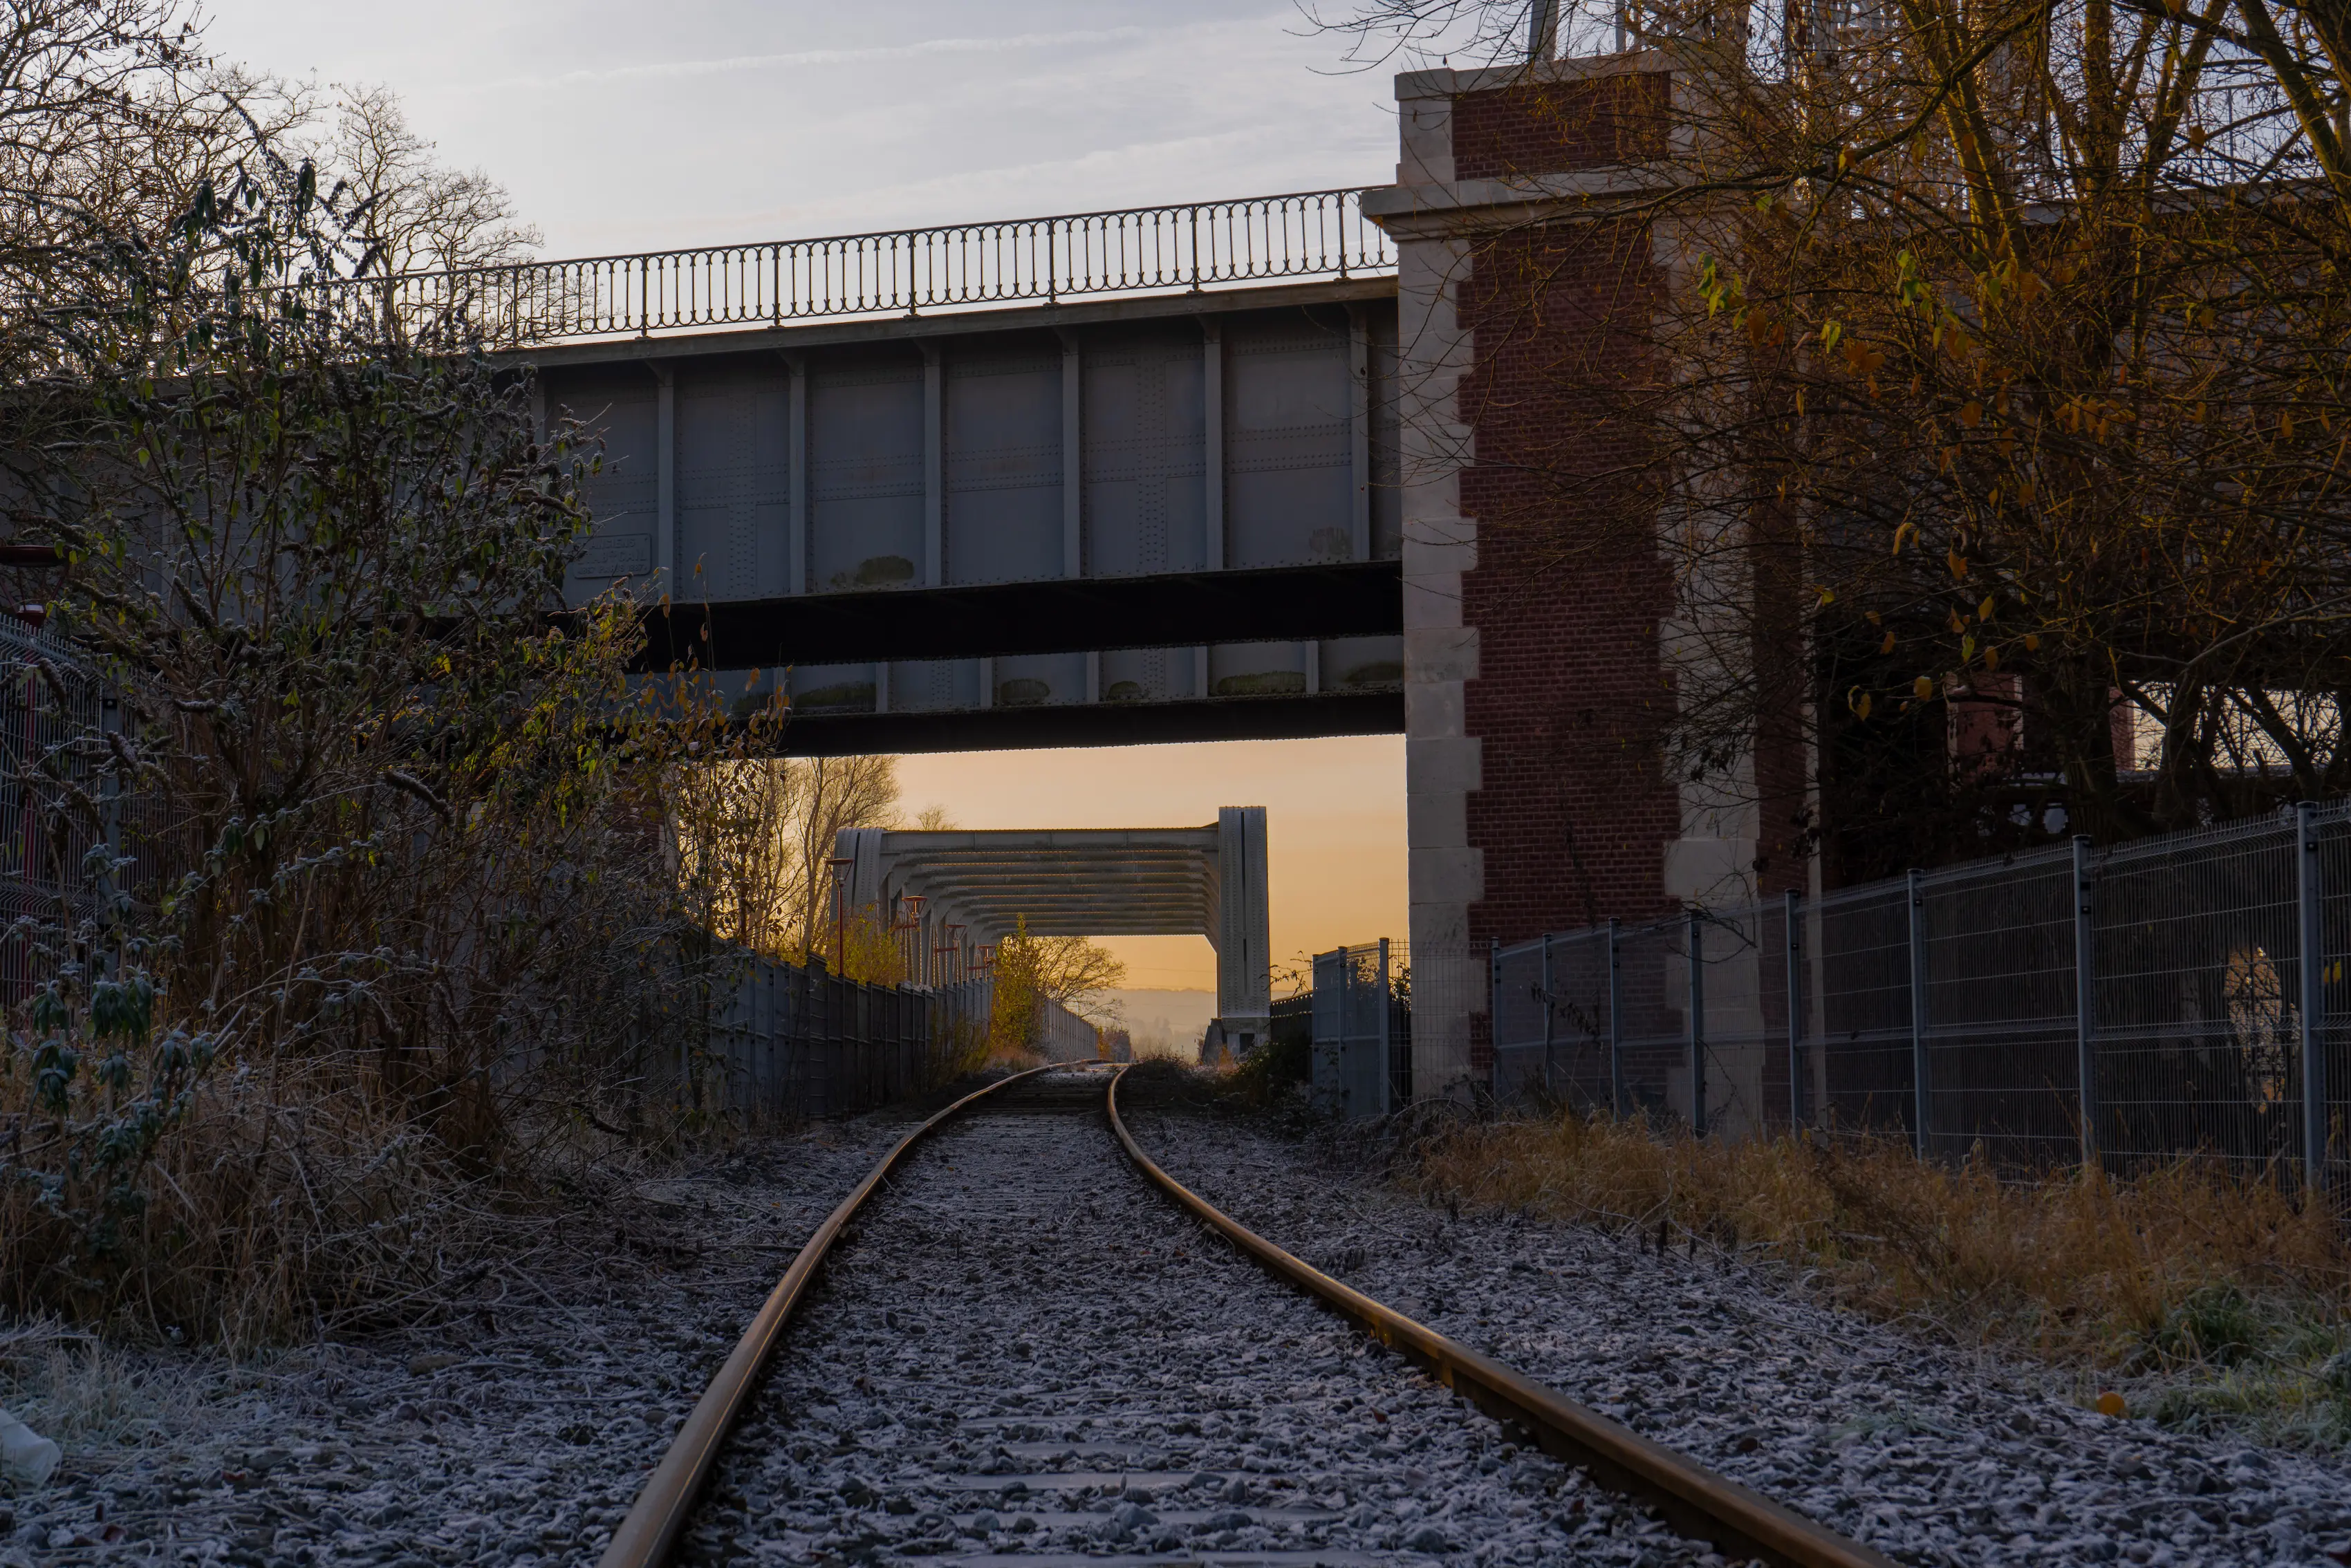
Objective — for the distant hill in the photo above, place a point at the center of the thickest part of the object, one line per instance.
(1165, 1023)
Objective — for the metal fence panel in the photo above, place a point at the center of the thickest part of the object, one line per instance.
(2000, 1000)
(1360, 1054)
(2197, 975)
(793, 1042)
(2130, 1006)
(1744, 994)
(1653, 984)
(1859, 1010)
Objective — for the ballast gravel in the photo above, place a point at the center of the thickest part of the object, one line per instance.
(517, 1435)
(1025, 1354)
(1929, 1456)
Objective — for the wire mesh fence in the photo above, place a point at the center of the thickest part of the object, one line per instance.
(1361, 1052)
(2182, 996)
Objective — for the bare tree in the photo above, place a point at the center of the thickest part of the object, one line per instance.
(1978, 369)
(1031, 972)
(416, 214)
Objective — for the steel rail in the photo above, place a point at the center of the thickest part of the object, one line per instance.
(654, 1520)
(1694, 1500)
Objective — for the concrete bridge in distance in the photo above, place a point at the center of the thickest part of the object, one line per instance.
(1109, 478)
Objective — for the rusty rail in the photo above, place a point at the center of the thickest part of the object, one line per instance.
(654, 1520)
(1691, 1498)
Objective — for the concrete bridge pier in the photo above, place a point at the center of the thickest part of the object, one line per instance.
(961, 890)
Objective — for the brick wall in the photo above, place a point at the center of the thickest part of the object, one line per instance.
(1574, 812)
(1544, 127)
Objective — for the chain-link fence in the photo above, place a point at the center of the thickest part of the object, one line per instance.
(2177, 996)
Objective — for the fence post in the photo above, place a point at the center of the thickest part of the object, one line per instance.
(2307, 885)
(2085, 1017)
(1790, 903)
(1695, 942)
(1546, 1008)
(1387, 1086)
(109, 722)
(1493, 989)
(1615, 1024)
(1919, 1083)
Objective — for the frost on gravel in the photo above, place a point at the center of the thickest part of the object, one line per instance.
(1026, 1353)
(519, 1434)
(1929, 1456)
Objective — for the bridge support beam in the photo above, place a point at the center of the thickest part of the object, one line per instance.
(952, 893)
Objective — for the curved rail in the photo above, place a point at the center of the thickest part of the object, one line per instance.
(1694, 1500)
(646, 1535)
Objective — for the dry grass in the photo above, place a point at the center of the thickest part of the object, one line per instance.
(2205, 1301)
(292, 1204)
(74, 1389)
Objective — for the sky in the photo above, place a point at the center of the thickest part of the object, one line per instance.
(633, 127)
(1333, 827)
(620, 128)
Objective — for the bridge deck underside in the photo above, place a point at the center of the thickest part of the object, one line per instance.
(1110, 886)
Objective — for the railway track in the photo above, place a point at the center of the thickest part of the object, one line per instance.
(1030, 1344)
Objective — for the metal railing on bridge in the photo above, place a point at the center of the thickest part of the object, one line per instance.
(1188, 246)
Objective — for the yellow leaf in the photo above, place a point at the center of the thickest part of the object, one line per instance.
(2286, 423)
(1971, 414)
(1862, 709)
(1957, 563)
(1886, 646)
(1966, 649)
(1922, 688)
(2111, 1403)
(1991, 658)
(1983, 611)
(2033, 642)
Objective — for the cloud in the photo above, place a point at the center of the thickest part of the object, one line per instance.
(667, 70)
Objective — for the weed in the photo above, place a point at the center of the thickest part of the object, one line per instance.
(2214, 1301)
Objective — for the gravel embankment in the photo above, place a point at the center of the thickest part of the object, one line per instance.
(1930, 1457)
(1026, 1354)
(514, 1439)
